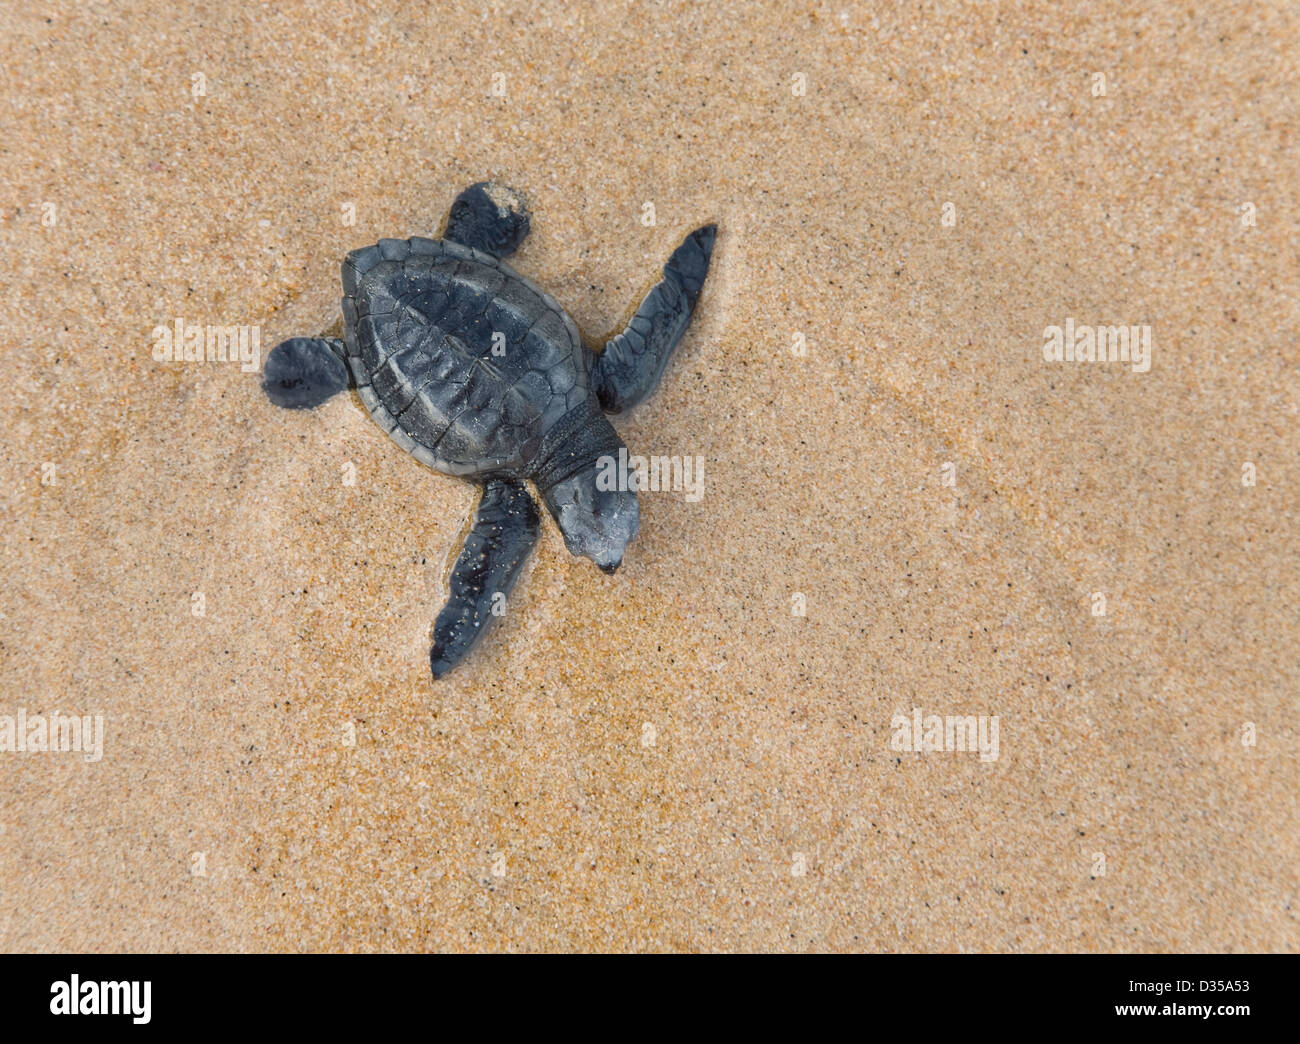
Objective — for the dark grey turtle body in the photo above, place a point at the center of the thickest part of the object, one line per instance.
(464, 362)
(479, 373)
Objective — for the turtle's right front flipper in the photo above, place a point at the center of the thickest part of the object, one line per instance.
(630, 366)
(505, 529)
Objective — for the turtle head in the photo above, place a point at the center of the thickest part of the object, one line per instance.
(597, 521)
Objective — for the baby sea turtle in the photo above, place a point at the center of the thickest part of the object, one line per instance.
(477, 372)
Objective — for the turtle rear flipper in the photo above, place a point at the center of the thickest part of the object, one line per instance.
(505, 529)
(303, 372)
(630, 366)
(488, 217)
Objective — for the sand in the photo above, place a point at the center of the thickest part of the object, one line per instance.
(673, 758)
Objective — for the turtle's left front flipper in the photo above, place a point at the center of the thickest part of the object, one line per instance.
(505, 529)
(630, 366)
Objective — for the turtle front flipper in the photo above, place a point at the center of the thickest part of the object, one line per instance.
(303, 372)
(505, 529)
(630, 366)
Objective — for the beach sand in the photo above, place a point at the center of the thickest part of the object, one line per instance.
(906, 507)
